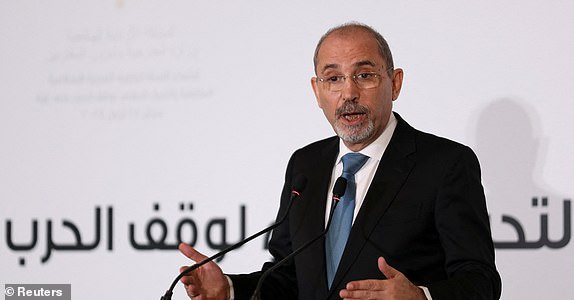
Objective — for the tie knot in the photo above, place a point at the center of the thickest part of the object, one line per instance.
(352, 162)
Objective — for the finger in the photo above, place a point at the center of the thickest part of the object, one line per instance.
(187, 278)
(346, 295)
(182, 268)
(191, 253)
(368, 284)
(192, 292)
(386, 269)
(360, 294)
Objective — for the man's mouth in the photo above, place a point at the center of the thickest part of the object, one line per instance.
(351, 113)
(352, 116)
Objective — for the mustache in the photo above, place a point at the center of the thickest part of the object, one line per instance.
(351, 107)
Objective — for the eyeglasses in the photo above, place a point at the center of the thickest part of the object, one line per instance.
(365, 80)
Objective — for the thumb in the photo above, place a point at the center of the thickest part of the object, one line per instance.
(386, 269)
(191, 253)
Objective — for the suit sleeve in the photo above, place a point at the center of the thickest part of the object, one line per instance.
(462, 222)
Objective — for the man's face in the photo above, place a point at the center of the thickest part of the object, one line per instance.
(358, 115)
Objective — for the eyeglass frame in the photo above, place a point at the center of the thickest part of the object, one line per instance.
(353, 77)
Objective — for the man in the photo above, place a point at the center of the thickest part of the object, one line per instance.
(420, 228)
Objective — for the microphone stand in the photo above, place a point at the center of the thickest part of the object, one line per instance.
(338, 191)
(299, 184)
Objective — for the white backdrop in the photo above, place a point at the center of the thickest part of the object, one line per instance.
(182, 113)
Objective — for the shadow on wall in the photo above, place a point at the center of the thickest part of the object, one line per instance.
(525, 211)
(508, 144)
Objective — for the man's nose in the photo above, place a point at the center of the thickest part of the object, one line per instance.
(350, 90)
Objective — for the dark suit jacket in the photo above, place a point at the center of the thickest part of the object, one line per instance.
(424, 212)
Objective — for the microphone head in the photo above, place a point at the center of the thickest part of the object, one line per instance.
(339, 188)
(299, 184)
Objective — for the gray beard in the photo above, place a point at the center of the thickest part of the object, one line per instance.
(355, 134)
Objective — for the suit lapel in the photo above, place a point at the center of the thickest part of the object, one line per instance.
(318, 202)
(393, 170)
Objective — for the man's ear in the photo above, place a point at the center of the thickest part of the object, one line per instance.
(397, 82)
(315, 90)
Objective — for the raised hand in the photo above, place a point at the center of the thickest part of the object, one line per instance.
(205, 283)
(395, 287)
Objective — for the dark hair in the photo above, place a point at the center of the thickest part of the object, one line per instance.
(384, 49)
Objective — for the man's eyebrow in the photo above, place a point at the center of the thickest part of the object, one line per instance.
(364, 63)
(356, 65)
(329, 66)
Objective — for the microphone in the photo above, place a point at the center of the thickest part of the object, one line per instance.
(338, 192)
(299, 183)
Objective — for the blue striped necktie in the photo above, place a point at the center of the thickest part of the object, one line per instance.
(343, 215)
